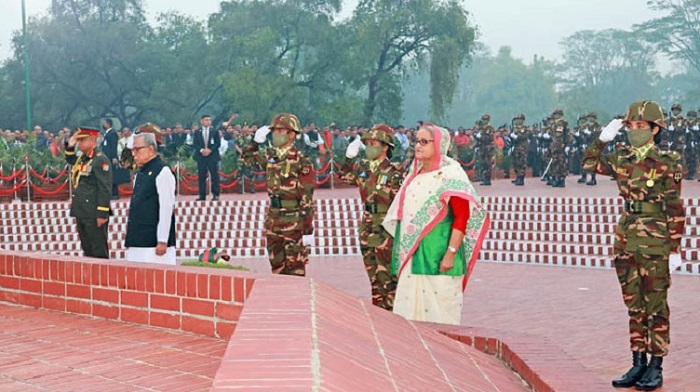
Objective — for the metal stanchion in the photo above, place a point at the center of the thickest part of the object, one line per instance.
(177, 177)
(26, 169)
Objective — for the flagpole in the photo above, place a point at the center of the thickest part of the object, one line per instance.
(27, 83)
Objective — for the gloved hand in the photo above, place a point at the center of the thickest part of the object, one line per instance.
(261, 134)
(353, 148)
(696, 128)
(546, 136)
(671, 128)
(566, 150)
(307, 240)
(608, 133)
(576, 134)
(514, 136)
(674, 261)
(586, 131)
(478, 135)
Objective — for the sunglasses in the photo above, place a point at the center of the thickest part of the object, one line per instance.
(424, 142)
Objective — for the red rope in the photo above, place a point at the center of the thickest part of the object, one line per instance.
(15, 174)
(224, 175)
(49, 193)
(328, 177)
(12, 190)
(322, 170)
(229, 186)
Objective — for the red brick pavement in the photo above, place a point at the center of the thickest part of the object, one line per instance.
(46, 350)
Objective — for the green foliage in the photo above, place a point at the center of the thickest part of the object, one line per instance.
(605, 69)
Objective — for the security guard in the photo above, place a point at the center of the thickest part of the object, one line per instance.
(648, 234)
(289, 218)
(379, 181)
(91, 176)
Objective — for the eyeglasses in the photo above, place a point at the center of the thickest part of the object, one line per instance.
(424, 142)
(136, 149)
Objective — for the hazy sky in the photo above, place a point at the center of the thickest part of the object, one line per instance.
(529, 27)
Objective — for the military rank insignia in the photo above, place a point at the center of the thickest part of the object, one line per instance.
(105, 167)
(677, 177)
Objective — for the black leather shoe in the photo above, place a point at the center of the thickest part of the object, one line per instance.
(639, 367)
(486, 182)
(215, 198)
(592, 181)
(652, 378)
(581, 180)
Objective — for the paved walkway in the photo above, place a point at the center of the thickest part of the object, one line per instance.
(48, 351)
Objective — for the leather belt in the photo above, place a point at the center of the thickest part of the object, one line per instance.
(276, 202)
(376, 208)
(637, 207)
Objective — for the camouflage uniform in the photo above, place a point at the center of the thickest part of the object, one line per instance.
(578, 149)
(692, 137)
(545, 152)
(560, 132)
(651, 227)
(246, 174)
(594, 128)
(485, 143)
(378, 182)
(290, 185)
(521, 145)
(91, 178)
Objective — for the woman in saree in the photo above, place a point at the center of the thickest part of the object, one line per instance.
(438, 225)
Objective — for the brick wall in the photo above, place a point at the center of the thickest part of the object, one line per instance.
(203, 301)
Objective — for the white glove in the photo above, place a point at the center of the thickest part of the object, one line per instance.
(608, 133)
(261, 134)
(566, 150)
(307, 239)
(353, 148)
(671, 128)
(586, 131)
(674, 261)
(478, 135)
(546, 136)
(577, 134)
(514, 136)
(696, 128)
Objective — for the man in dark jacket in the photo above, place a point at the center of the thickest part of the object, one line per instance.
(206, 152)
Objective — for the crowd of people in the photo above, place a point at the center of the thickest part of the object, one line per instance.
(422, 224)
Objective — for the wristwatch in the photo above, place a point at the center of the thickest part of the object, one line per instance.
(452, 249)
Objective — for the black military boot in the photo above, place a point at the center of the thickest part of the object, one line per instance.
(592, 181)
(582, 179)
(652, 378)
(551, 181)
(487, 182)
(520, 181)
(639, 367)
(561, 183)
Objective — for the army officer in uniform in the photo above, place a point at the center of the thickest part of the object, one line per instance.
(91, 176)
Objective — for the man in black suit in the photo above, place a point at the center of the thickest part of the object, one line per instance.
(110, 141)
(206, 145)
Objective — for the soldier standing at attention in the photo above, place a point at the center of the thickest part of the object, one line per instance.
(521, 142)
(289, 220)
(691, 144)
(559, 149)
(648, 234)
(594, 128)
(485, 143)
(677, 125)
(379, 181)
(91, 176)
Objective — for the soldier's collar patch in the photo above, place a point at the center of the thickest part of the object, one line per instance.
(677, 177)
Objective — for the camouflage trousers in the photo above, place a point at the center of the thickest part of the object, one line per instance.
(645, 280)
(520, 159)
(287, 253)
(378, 266)
(558, 168)
(485, 161)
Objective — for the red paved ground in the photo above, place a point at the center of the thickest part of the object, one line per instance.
(44, 350)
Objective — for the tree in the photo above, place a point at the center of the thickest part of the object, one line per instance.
(676, 33)
(276, 56)
(386, 37)
(605, 70)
